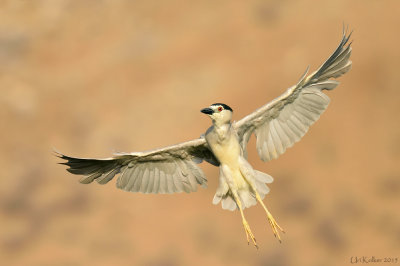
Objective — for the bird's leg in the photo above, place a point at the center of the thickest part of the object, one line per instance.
(246, 226)
(275, 226)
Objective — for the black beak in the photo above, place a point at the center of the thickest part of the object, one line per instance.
(207, 111)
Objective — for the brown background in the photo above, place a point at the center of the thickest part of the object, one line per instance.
(93, 77)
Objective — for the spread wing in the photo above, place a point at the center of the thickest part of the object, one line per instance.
(284, 121)
(166, 170)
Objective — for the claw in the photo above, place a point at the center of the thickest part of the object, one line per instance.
(249, 234)
(274, 225)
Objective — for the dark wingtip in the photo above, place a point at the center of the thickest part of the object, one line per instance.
(341, 47)
(346, 34)
(57, 153)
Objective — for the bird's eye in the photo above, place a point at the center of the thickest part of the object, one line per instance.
(219, 109)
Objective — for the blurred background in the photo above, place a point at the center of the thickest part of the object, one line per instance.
(93, 77)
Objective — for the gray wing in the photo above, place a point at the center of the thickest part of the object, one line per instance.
(166, 170)
(284, 121)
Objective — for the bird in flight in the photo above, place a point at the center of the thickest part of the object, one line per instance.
(276, 125)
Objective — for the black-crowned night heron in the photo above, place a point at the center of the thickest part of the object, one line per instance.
(277, 126)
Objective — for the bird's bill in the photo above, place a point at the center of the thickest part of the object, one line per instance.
(207, 111)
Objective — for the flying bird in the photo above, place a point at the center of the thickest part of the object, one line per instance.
(276, 125)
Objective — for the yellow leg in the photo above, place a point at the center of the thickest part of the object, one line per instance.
(275, 226)
(246, 226)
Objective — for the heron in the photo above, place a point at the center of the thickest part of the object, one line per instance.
(277, 125)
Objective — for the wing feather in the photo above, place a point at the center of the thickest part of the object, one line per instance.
(151, 181)
(89, 179)
(163, 183)
(178, 181)
(145, 180)
(170, 183)
(135, 179)
(156, 186)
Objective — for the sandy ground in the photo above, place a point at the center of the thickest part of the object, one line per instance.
(93, 77)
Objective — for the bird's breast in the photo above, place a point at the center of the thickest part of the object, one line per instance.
(226, 150)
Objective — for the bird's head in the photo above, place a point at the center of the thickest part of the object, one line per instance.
(219, 113)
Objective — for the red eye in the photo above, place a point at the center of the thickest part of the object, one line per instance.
(219, 109)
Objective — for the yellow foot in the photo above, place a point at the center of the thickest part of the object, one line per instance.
(249, 234)
(275, 226)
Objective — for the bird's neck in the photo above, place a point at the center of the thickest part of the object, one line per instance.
(222, 129)
(221, 124)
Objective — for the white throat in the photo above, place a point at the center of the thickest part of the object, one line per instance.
(220, 123)
(222, 129)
